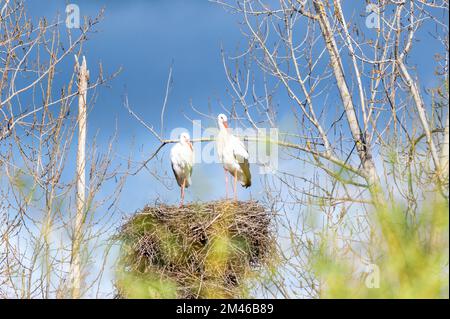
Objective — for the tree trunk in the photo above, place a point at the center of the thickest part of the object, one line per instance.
(358, 136)
(423, 118)
(83, 76)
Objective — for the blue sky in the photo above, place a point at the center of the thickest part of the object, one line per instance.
(145, 38)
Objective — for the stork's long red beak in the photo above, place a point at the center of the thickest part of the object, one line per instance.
(190, 145)
(225, 124)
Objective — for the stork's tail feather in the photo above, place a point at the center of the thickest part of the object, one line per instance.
(246, 180)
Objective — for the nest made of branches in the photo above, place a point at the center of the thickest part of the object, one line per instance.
(201, 250)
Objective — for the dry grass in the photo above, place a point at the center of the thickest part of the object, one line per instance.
(202, 250)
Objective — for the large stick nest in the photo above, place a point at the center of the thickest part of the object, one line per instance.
(195, 251)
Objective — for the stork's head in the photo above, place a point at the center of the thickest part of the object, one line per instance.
(223, 121)
(185, 139)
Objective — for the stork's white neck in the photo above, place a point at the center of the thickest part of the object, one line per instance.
(222, 127)
(186, 145)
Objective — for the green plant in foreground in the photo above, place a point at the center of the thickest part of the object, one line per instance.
(412, 258)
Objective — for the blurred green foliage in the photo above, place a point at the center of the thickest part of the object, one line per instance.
(410, 258)
(24, 184)
(150, 285)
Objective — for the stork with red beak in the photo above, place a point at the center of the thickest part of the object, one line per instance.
(182, 158)
(233, 156)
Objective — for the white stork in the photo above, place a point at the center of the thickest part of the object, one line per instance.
(182, 158)
(233, 155)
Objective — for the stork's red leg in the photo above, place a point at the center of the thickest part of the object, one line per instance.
(226, 183)
(235, 184)
(182, 192)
